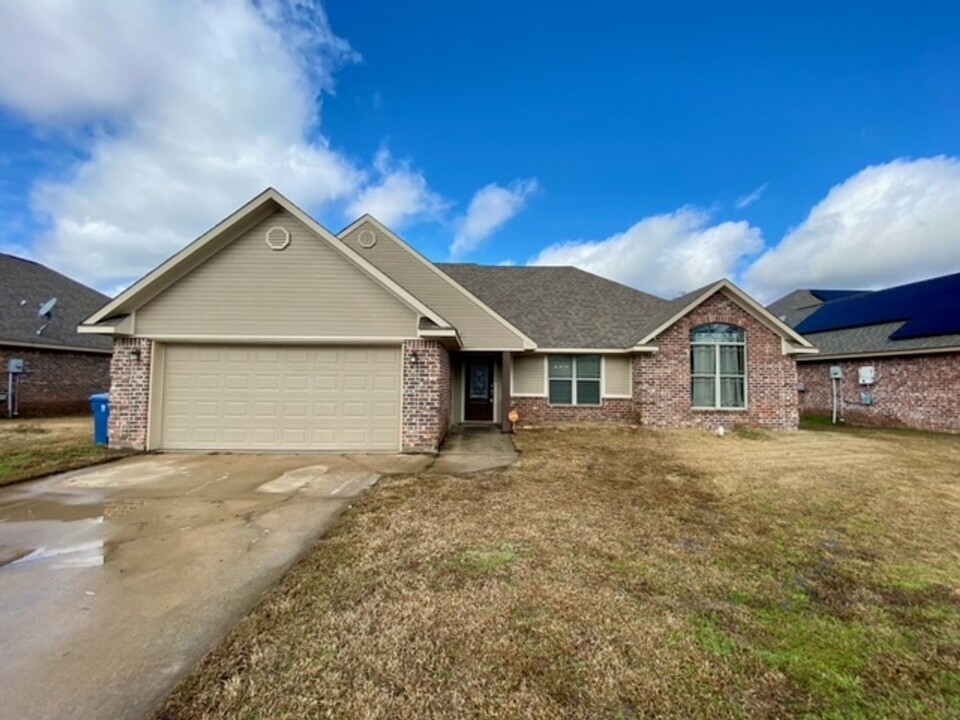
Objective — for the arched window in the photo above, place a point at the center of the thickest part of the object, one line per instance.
(718, 367)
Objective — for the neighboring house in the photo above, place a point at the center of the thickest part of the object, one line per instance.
(898, 351)
(39, 313)
(271, 333)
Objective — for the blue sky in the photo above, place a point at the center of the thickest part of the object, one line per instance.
(662, 145)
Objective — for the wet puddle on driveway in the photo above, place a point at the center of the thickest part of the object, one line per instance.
(55, 534)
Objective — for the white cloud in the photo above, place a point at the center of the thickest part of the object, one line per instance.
(491, 207)
(180, 112)
(745, 201)
(664, 254)
(400, 196)
(886, 225)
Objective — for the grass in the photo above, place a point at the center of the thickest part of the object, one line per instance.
(825, 422)
(619, 573)
(34, 448)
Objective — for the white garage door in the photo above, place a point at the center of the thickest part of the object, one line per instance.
(280, 398)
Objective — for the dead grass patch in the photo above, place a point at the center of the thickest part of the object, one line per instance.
(621, 573)
(38, 447)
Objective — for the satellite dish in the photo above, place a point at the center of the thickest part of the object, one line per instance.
(46, 310)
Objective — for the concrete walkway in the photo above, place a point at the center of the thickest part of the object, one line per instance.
(472, 449)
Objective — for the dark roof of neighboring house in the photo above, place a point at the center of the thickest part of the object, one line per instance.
(830, 295)
(563, 307)
(924, 315)
(25, 286)
(801, 304)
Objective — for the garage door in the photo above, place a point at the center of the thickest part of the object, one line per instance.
(280, 398)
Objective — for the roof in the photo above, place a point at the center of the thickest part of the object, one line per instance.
(25, 286)
(918, 316)
(562, 307)
(568, 308)
(801, 304)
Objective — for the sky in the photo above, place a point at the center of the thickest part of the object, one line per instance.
(662, 145)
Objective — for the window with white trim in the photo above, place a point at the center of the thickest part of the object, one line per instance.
(718, 367)
(574, 379)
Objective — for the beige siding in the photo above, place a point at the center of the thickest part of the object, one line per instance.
(478, 329)
(306, 290)
(617, 377)
(236, 397)
(528, 374)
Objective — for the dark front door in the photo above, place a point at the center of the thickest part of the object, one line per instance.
(478, 400)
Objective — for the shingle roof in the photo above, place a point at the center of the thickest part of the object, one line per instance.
(25, 286)
(875, 339)
(795, 307)
(563, 307)
(918, 316)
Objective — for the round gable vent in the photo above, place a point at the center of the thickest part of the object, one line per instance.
(367, 238)
(277, 238)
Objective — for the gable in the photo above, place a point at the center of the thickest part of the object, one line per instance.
(478, 327)
(726, 292)
(306, 290)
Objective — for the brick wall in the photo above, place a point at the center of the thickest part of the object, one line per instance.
(918, 391)
(539, 410)
(56, 382)
(661, 381)
(130, 392)
(426, 395)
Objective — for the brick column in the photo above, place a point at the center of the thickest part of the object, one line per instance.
(130, 392)
(426, 395)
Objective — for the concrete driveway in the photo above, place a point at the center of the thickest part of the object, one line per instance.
(116, 580)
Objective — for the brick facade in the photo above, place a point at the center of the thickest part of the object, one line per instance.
(661, 386)
(539, 410)
(130, 392)
(917, 391)
(661, 380)
(55, 382)
(425, 415)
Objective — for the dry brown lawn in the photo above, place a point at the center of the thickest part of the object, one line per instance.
(621, 573)
(37, 447)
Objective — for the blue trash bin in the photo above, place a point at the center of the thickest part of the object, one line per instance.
(100, 404)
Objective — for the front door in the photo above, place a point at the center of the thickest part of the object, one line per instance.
(478, 400)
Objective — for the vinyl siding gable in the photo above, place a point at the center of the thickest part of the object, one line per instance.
(478, 329)
(307, 289)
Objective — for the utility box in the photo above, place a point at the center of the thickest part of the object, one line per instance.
(866, 398)
(836, 372)
(867, 375)
(15, 366)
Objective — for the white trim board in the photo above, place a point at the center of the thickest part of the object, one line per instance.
(881, 354)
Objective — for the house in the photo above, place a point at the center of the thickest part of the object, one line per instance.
(271, 333)
(47, 367)
(890, 357)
